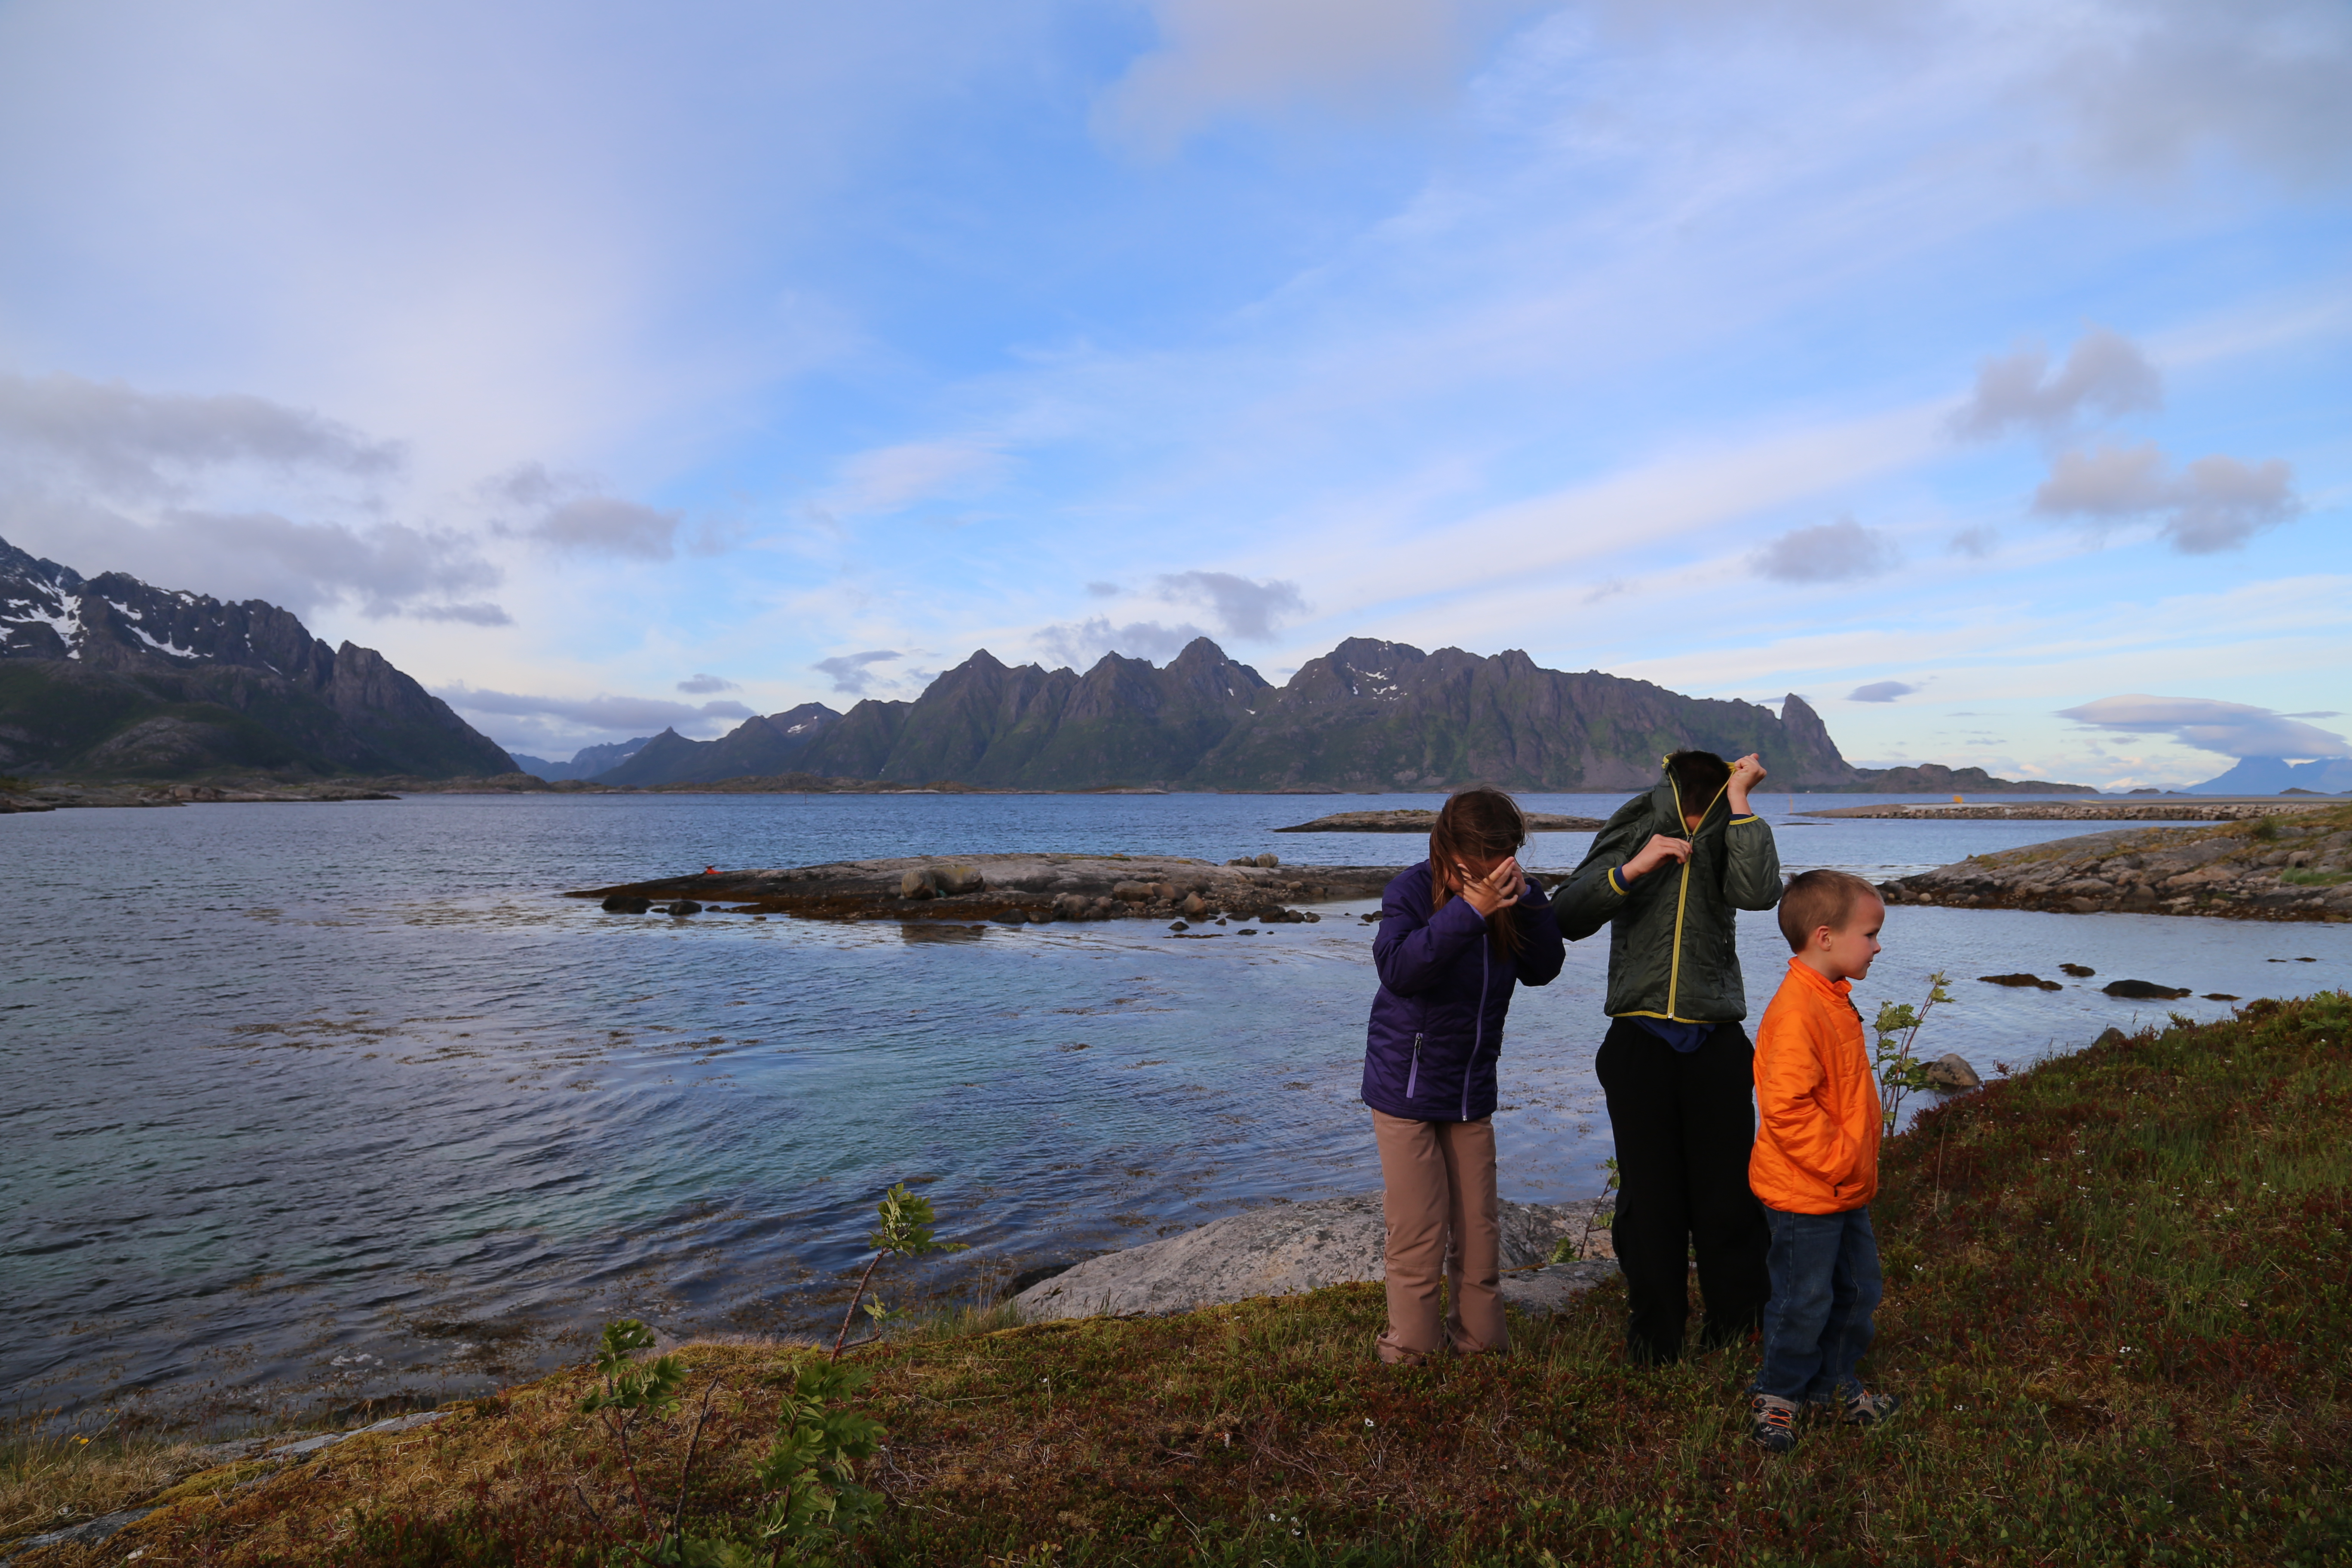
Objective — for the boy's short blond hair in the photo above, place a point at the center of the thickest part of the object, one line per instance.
(1816, 898)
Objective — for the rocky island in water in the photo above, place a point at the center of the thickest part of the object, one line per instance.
(1017, 889)
(2285, 865)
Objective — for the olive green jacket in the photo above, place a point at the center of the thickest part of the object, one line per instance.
(1671, 952)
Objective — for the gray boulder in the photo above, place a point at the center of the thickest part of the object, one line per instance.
(921, 882)
(1951, 1073)
(1286, 1248)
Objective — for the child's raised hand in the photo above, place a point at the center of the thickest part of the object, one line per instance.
(1656, 853)
(1748, 772)
(1498, 889)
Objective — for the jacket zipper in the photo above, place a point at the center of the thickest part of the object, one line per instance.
(1682, 890)
(1414, 1076)
(1478, 1038)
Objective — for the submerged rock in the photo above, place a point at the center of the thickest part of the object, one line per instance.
(2143, 990)
(2021, 980)
(2079, 971)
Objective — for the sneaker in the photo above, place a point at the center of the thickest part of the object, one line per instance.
(1861, 1408)
(1771, 1423)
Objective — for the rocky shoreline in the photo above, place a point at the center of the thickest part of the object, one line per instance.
(2070, 811)
(71, 796)
(1287, 1248)
(1012, 889)
(2277, 866)
(1422, 821)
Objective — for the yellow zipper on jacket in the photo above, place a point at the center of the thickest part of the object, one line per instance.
(1682, 891)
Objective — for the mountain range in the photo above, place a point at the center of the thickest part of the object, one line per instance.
(1369, 716)
(107, 674)
(2276, 776)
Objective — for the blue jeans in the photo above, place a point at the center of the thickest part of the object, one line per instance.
(1825, 1269)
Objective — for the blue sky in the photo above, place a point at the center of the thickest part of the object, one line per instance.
(613, 366)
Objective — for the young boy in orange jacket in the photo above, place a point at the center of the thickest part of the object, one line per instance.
(1815, 1164)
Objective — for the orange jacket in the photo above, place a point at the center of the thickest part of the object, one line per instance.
(1817, 1147)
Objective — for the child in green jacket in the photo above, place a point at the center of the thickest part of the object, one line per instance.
(1667, 874)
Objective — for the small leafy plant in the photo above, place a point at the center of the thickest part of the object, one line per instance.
(813, 1498)
(632, 1393)
(905, 1231)
(1899, 1070)
(1569, 1251)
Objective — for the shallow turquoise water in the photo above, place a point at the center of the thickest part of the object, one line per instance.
(347, 1100)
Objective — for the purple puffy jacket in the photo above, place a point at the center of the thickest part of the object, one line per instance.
(1436, 1030)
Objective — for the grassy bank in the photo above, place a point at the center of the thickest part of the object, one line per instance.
(2116, 1297)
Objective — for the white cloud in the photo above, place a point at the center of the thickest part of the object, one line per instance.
(624, 715)
(2105, 372)
(1243, 608)
(2155, 83)
(1218, 59)
(1977, 542)
(1839, 552)
(890, 478)
(608, 526)
(701, 685)
(849, 670)
(116, 440)
(2212, 504)
(1881, 691)
(1082, 644)
(2232, 728)
(384, 569)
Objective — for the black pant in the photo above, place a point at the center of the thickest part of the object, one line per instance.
(1684, 1123)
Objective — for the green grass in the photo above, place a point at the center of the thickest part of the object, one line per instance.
(2316, 879)
(2115, 1297)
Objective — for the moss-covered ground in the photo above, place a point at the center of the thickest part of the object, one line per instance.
(2116, 1299)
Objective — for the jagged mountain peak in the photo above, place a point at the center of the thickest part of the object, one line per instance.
(112, 675)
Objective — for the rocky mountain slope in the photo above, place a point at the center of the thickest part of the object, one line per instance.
(772, 744)
(107, 676)
(1368, 716)
(585, 763)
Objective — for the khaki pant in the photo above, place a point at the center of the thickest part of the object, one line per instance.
(1444, 1218)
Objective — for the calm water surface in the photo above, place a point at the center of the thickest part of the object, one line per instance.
(340, 1101)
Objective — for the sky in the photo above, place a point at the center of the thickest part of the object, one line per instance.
(1981, 371)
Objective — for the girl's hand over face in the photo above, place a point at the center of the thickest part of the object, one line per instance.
(1498, 889)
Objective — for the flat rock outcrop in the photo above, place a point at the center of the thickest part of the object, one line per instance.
(2293, 866)
(1021, 888)
(2076, 811)
(1286, 1248)
(54, 797)
(1422, 821)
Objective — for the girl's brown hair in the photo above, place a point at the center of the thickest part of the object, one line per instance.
(1476, 823)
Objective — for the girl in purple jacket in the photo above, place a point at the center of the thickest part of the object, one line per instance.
(1457, 933)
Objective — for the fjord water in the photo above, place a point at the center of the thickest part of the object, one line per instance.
(337, 1101)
